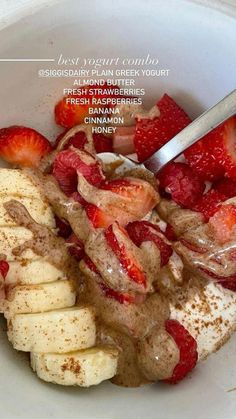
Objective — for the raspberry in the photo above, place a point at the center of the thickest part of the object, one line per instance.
(209, 203)
(179, 180)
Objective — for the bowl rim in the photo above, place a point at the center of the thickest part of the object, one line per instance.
(10, 15)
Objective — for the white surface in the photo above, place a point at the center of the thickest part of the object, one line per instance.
(198, 45)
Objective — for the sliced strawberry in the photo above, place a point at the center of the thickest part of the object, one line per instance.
(125, 257)
(4, 268)
(78, 140)
(138, 198)
(179, 180)
(170, 233)
(98, 217)
(101, 142)
(63, 227)
(122, 298)
(69, 113)
(78, 198)
(123, 140)
(152, 134)
(226, 187)
(209, 203)
(228, 282)
(187, 350)
(214, 155)
(142, 231)
(76, 247)
(70, 163)
(90, 264)
(223, 222)
(23, 146)
(226, 154)
(192, 246)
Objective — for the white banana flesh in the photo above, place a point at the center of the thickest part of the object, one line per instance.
(16, 183)
(40, 307)
(39, 211)
(32, 272)
(58, 331)
(82, 368)
(39, 298)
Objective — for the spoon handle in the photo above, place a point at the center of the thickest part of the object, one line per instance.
(193, 132)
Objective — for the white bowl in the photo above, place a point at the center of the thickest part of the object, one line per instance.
(197, 44)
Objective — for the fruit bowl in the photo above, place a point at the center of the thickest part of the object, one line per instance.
(187, 39)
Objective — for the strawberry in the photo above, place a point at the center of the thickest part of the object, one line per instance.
(90, 264)
(4, 268)
(228, 282)
(179, 180)
(63, 227)
(192, 246)
(137, 198)
(98, 217)
(214, 156)
(141, 231)
(170, 233)
(123, 140)
(187, 349)
(122, 298)
(23, 146)
(76, 247)
(124, 255)
(101, 142)
(209, 203)
(70, 163)
(226, 187)
(152, 134)
(223, 222)
(68, 113)
(226, 154)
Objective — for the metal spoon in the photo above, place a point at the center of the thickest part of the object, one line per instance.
(189, 135)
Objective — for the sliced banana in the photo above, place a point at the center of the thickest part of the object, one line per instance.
(39, 211)
(17, 183)
(55, 331)
(40, 298)
(11, 237)
(82, 368)
(32, 272)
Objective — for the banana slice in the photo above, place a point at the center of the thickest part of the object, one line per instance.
(32, 272)
(40, 298)
(82, 368)
(210, 317)
(59, 331)
(17, 183)
(39, 211)
(11, 237)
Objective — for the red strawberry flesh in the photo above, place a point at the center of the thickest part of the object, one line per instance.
(187, 349)
(23, 146)
(70, 163)
(132, 270)
(152, 134)
(141, 231)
